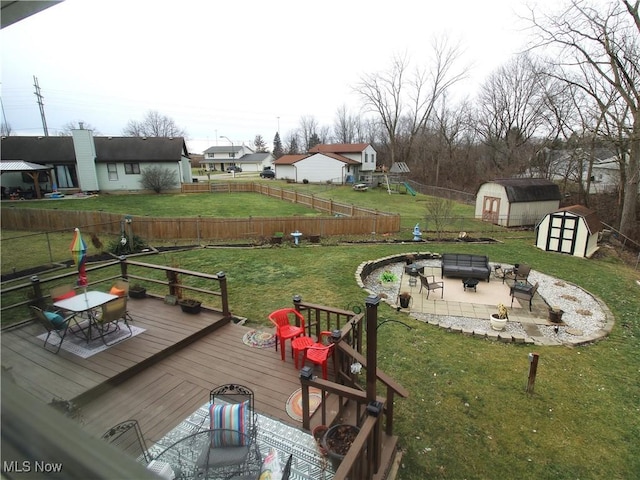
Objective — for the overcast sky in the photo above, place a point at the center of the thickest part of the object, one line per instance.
(235, 68)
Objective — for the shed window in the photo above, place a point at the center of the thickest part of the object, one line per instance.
(112, 168)
(131, 168)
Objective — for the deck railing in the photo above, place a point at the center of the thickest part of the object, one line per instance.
(372, 415)
(173, 281)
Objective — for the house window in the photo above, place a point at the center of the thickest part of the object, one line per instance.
(131, 168)
(112, 169)
(66, 176)
(366, 157)
(232, 155)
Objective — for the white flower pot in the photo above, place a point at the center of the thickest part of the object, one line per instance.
(497, 323)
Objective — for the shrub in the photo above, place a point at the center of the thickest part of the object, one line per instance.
(158, 179)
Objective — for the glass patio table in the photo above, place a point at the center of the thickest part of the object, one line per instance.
(85, 302)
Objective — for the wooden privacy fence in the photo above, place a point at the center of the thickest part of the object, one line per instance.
(321, 204)
(202, 228)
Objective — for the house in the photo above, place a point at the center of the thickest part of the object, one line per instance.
(82, 162)
(222, 157)
(573, 230)
(336, 163)
(515, 202)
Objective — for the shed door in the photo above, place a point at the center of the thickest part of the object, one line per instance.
(491, 209)
(563, 232)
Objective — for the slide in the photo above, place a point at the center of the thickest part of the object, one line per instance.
(409, 189)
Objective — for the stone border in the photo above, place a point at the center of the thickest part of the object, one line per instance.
(365, 269)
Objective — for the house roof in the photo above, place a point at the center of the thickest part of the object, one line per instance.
(108, 149)
(339, 148)
(254, 157)
(590, 217)
(529, 189)
(38, 149)
(399, 167)
(226, 148)
(140, 149)
(290, 159)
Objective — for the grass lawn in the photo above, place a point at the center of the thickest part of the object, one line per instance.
(468, 416)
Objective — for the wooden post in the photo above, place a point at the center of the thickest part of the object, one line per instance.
(371, 303)
(533, 369)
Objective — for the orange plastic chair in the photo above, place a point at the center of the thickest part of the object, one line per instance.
(285, 329)
(320, 352)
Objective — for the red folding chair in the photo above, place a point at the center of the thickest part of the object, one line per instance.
(286, 321)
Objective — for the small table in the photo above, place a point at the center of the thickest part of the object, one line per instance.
(85, 302)
(470, 283)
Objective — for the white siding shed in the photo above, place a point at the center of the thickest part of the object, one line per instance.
(573, 230)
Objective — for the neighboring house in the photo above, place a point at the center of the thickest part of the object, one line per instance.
(573, 230)
(219, 158)
(336, 163)
(82, 162)
(573, 165)
(514, 202)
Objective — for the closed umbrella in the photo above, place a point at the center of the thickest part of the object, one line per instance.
(79, 254)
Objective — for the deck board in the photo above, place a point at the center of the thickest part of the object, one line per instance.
(166, 391)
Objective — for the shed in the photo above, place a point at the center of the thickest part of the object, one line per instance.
(516, 202)
(573, 230)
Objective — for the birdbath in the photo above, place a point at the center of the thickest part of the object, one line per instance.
(417, 234)
(296, 236)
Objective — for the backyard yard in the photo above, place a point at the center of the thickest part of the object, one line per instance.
(468, 415)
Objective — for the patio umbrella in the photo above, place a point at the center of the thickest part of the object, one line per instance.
(79, 254)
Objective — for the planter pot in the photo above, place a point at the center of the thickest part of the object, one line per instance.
(404, 302)
(337, 442)
(276, 239)
(318, 433)
(497, 323)
(137, 293)
(314, 238)
(190, 306)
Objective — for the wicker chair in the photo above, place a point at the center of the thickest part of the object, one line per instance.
(429, 282)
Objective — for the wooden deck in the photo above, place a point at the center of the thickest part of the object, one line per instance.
(158, 377)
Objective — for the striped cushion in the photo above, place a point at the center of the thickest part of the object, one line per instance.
(229, 417)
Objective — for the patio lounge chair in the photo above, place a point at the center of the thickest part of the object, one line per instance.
(55, 322)
(108, 321)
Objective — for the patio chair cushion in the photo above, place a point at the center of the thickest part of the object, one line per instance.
(117, 291)
(229, 417)
(56, 319)
(64, 296)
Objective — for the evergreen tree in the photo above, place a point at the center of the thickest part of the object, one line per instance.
(314, 140)
(293, 146)
(277, 146)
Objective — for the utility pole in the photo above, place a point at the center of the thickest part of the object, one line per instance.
(41, 105)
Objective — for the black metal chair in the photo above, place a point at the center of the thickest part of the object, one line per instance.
(430, 285)
(55, 322)
(127, 436)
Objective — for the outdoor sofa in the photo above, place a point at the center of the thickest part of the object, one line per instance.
(465, 266)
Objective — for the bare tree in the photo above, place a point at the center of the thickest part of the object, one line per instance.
(512, 108)
(345, 126)
(153, 125)
(308, 132)
(5, 129)
(599, 51)
(439, 213)
(404, 100)
(259, 144)
(76, 125)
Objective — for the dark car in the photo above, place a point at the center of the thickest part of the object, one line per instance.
(234, 168)
(267, 174)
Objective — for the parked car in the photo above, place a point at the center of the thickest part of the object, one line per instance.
(267, 174)
(233, 168)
